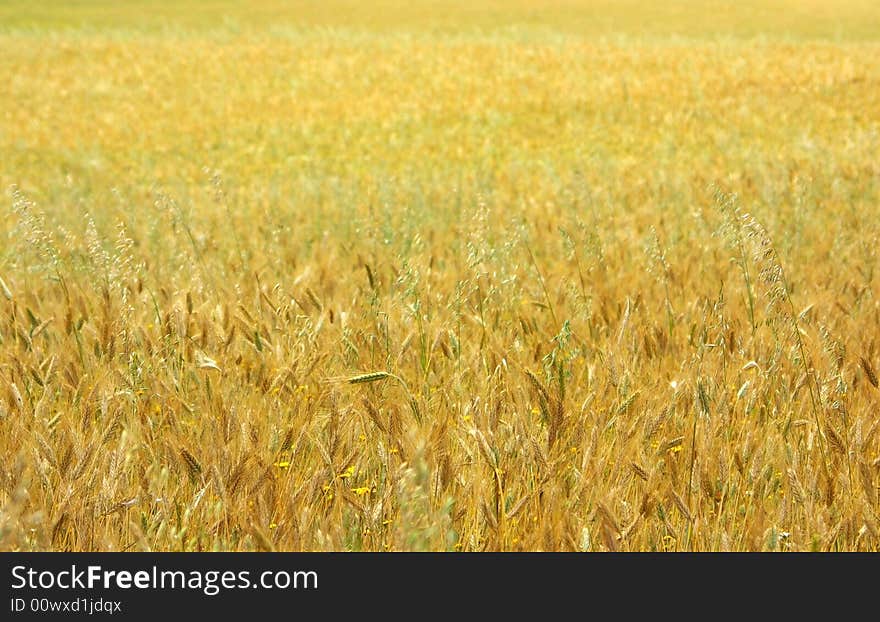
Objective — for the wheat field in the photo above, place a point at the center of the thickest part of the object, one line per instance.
(565, 275)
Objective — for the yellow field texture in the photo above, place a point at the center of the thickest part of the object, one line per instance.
(440, 276)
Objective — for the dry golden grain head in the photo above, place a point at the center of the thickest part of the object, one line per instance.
(872, 523)
(113, 429)
(537, 384)
(84, 461)
(639, 471)
(373, 413)
(314, 299)
(830, 490)
(869, 372)
(262, 540)
(489, 454)
(287, 441)
(192, 465)
(4, 289)
(59, 530)
(608, 517)
(706, 484)
(834, 439)
(647, 506)
(236, 477)
(866, 478)
(868, 437)
(654, 424)
(795, 487)
(517, 507)
(609, 537)
(444, 347)
(681, 505)
(739, 464)
(66, 460)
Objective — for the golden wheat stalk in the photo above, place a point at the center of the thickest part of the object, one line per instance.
(869, 372)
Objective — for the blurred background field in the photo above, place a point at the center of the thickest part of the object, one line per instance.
(805, 19)
(519, 216)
